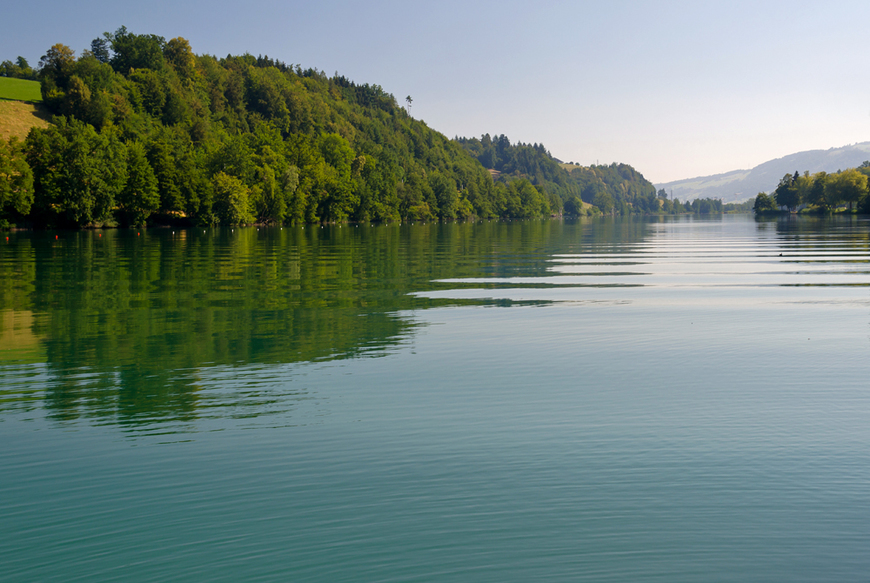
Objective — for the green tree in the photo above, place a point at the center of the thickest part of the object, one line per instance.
(335, 181)
(849, 185)
(232, 204)
(16, 182)
(446, 196)
(804, 186)
(574, 207)
(20, 69)
(78, 173)
(787, 193)
(57, 64)
(78, 98)
(604, 201)
(136, 51)
(150, 88)
(821, 194)
(178, 53)
(764, 203)
(100, 49)
(139, 197)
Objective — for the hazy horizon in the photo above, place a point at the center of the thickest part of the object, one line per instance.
(676, 89)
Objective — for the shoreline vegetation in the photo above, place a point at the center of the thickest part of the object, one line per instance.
(821, 193)
(145, 132)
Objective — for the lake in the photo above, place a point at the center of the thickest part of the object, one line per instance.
(643, 399)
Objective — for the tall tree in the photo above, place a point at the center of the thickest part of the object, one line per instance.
(787, 193)
(100, 49)
(821, 194)
(136, 51)
(57, 63)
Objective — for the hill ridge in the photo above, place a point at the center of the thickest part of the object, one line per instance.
(743, 184)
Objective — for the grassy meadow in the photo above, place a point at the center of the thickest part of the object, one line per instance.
(19, 90)
(20, 108)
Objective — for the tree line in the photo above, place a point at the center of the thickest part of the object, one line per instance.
(579, 190)
(818, 193)
(18, 69)
(147, 131)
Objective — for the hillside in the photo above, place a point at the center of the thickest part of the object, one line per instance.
(740, 185)
(615, 188)
(148, 131)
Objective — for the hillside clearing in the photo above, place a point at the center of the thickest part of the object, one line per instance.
(17, 117)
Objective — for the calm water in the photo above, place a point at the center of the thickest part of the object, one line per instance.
(643, 400)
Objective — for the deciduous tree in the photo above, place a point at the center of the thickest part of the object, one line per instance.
(16, 182)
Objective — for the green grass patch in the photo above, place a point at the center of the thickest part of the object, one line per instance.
(20, 90)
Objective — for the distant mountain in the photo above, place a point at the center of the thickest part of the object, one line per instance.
(739, 185)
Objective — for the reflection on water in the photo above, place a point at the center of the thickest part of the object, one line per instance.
(642, 400)
(177, 325)
(17, 339)
(689, 259)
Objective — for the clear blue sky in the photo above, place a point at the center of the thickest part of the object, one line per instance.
(675, 88)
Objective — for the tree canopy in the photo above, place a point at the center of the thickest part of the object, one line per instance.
(146, 130)
(609, 188)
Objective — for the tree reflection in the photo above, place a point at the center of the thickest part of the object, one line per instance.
(135, 326)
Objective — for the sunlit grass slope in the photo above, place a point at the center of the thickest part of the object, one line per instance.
(17, 117)
(20, 108)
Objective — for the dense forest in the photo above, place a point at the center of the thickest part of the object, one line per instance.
(146, 131)
(614, 188)
(819, 193)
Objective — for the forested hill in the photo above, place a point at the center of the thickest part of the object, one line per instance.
(147, 130)
(610, 188)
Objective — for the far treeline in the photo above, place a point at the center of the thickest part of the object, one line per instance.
(819, 193)
(580, 190)
(19, 69)
(145, 131)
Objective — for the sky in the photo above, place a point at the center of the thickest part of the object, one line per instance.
(677, 89)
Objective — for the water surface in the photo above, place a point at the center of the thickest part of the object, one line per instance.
(674, 399)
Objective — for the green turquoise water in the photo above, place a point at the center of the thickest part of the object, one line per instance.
(674, 399)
